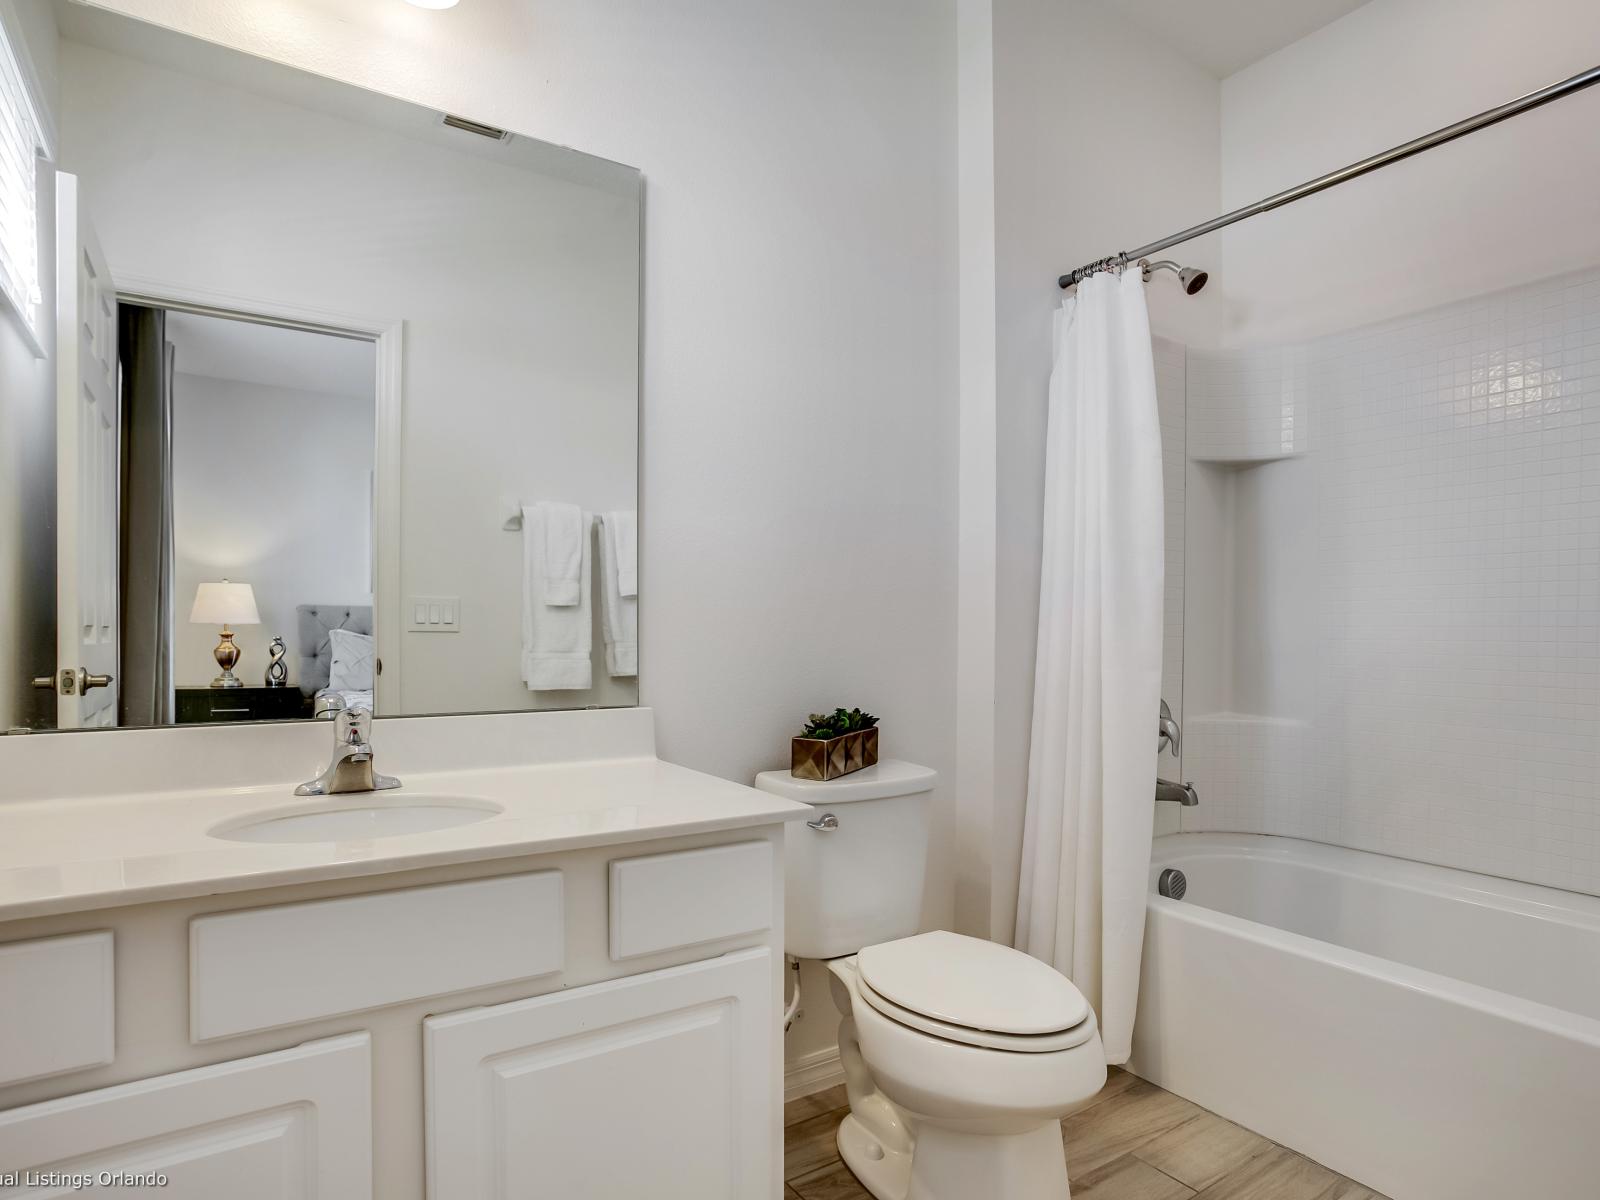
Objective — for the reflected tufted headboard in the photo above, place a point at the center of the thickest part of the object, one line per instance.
(315, 652)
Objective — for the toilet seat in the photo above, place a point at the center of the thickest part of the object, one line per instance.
(974, 992)
(983, 1039)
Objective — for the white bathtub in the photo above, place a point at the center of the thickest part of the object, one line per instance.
(1432, 1033)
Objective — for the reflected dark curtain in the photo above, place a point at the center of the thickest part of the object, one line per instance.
(145, 561)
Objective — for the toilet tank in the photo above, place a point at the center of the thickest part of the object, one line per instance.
(856, 880)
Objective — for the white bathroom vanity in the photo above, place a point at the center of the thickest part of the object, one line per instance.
(547, 964)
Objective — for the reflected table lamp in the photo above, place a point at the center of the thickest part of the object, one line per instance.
(225, 604)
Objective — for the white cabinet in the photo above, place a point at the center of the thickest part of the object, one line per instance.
(263, 968)
(661, 1085)
(57, 997)
(689, 897)
(296, 1123)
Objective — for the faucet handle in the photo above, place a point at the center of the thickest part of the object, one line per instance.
(352, 726)
(1167, 731)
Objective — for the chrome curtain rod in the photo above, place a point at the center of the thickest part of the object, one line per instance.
(1438, 137)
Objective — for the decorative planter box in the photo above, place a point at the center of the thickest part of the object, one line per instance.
(829, 758)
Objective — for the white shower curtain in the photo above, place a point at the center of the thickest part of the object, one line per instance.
(1097, 670)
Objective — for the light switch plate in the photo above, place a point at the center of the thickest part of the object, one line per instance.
(433, 614)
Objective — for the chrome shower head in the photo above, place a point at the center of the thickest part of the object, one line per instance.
(1192, 278)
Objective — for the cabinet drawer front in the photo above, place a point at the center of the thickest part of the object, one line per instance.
(267, 967)
(296, 1123)
(57, 1006)
(657, 1085)
(664, 901)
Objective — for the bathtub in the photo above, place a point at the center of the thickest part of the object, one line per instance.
(1432, 1033)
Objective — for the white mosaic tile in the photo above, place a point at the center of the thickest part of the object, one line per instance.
(1455, 699)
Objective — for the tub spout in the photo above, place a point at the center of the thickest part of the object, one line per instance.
(1177, 793)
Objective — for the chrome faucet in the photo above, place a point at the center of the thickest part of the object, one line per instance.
(1177, 793)
(1168, 733)
(351, 767)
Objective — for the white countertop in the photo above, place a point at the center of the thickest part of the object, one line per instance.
(60, 854)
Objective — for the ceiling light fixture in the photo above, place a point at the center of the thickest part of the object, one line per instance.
(434, 3)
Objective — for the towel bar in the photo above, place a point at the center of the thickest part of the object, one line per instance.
(513, 523)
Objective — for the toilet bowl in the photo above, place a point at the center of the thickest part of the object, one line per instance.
(960, 1055)
(960, 1064)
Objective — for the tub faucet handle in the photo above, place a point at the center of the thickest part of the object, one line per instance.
(1167, 731)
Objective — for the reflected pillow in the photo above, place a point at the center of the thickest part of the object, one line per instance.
(351, 669)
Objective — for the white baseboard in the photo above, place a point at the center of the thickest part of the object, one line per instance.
(814, 1072)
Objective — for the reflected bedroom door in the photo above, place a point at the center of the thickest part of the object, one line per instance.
(86, 470)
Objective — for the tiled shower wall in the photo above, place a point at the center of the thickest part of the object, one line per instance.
(1437, 662)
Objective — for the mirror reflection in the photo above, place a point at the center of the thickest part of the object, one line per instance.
(315, 399)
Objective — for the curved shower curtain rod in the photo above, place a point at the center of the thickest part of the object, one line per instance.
(1438, 137)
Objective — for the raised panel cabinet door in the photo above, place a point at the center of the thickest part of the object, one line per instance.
(660, 1085)
(292, 1125)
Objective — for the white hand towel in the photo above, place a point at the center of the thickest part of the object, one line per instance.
(556, 638)
(620, 612)
(566, 542)
(623, 529)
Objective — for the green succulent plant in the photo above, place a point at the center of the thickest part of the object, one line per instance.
(837, 723)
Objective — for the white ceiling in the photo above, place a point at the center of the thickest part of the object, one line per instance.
(265, 354)
(1224, 36)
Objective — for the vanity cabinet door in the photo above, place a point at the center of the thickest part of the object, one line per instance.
(661, 1085)
(296, 1123)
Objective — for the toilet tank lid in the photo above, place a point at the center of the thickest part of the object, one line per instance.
(890, 777)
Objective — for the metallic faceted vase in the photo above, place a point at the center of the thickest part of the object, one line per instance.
(277, 669)
(829, 758)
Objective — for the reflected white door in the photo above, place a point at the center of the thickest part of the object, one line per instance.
(86, 469)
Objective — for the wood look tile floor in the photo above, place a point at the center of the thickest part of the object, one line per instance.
(1133, 1142)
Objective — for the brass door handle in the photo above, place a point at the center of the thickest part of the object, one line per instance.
(45, 683)
(87, 682)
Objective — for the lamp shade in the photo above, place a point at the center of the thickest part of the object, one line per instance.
(224, 604)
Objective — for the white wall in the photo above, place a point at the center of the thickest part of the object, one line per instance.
(1506, 205)
(518, 290)
(1104, 139)
(270, 487)
(799, 415)
(972, 832)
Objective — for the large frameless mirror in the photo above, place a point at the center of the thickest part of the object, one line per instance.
(312, 398)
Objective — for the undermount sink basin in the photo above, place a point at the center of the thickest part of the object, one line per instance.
(357, 817)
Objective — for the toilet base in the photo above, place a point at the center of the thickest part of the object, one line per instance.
(948, 1165)
(884, 1172)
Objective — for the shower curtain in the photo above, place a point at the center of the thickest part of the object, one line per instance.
(145, 556)
(1097, 669)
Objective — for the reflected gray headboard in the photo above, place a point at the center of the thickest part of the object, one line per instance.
(315, 652)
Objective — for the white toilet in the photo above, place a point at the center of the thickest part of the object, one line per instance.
(960, 1055)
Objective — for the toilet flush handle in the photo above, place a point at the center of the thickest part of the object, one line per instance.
(826, 823)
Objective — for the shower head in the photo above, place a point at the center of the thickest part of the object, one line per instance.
(1192, 278)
